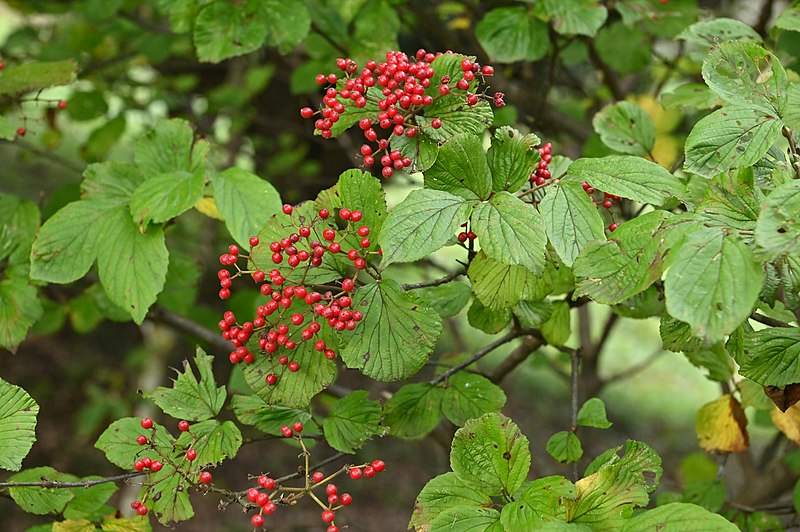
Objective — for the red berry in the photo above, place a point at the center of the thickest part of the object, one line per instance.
(257, 520)
(369, 471)
(379, 466)
(488, 70)
(344, 213)
(359, 263)
(21, 131)
(318, 477)
(62, 104)
(253, 241)
(205, 477)
(328, 516)
(356, 216)
(436, 123)
(252, 494)
(345, 499)
(183, 426)
(271, 379)
(286, 431)
(332, 528)
(355, 473)
(141, 440)
(612, 227)
(362, 231)
(191, 454)
(147, 423)
(142, 510)
(348, 285)
(269, 507)
(287, 209)
(365, 243)
(329, 234)
(294, 366)
(331, 489)
(298, 427)
(306, 112)
(135, 504)
(138, 465)
(297, 319)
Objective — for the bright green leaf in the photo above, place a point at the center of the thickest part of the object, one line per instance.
(245, 201)
(442, 493)
(626, 128)
(40, 501)
(461, 168)
(20, 308)
(468, 396)
(456, 120)
(118, 441)
(169, 147)
(352, 421)
(500, 286)
(252, 410)
(772, 356)
(446, 299)
(512, 158)
(565, 447)
(574, 17)
(28, 77)
(165, 196)
(21, 219)
(213, 440)
(89, 503)
(593, 414)
(678, 517)
(778, 226)
(630, 177)
(170, 497)
(570, 219)
(18, 413)
(789, 19)
(222, 31)
(414, 410)
(467, 519)
(487, 320)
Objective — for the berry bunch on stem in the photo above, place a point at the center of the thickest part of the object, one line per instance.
(608, 201)
(391, 96)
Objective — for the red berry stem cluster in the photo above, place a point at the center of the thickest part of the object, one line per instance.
(401, 89)
(540, 176)
(607, 202)
(23, 130)
(278, 329)
(185, 466)
(269, 493)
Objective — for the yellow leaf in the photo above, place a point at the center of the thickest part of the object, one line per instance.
(722, 426)
(788, 422)
(664, 120)
(74, 525)
(208, 206)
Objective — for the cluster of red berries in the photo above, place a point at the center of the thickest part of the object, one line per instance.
(607, 202)
(466, 234)
(22, 131)
(323, 307)
(406, 88)
(540, 176)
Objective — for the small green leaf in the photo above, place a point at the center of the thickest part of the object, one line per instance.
(678, 517)
(18, 79)
(421, 149)
(467, 519)
(593, 414)
(713, 283)
(778, 226)
(499, 286)
(40, 501)
(7, 130)
(532, 314)
(511, 231)
(487, 320)
(772, 356)
(245, 201)
(213, 440)
(625, 48)
(468, 396)
(288, 23)
(543, 497)
(165, 196)
(110, 183)
(490, 453)
(570, 219)
(414, 410)
(512, 158)
(221, 32)
(447, 299)
(626, 128)
(557, 329)
(397, 335)
(21, 219)
(461, 168)
(252, 410)
(510, 34)
(118, 441)
(630, 177)
(20, 308)
(352, 421)
(361, 191)
(565, 447)
(139, 523)
(169, 147)
(421, 224)
(443, 493)
(18, 413)
(707, 34)
(190, 398)
(87, 105)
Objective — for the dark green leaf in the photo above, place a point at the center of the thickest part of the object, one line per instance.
(352, 421)
(678, 517)
(468, 396)
(626, 128)
(252, 410)
(288, 23)
(165, 196)
(461, 168)
(512, 158)
(510, 34)
(170, 497)
(169, 147)
(222, 31)
(20, 308)
(89, 503)
(532, 314)
(467, 519)
(18, 413)
(118, 441)
(213, 440)
(21, 219)
(86, 105)
(557, 329)
(691, 96)
(789, 19)
(487, 320)
(447, 299)
(574, 17)
(772, 356)
(421, 149)
(570, 219)
(624, 48)
(40, 501)
(456, 116)
(414, 410)
(29, 77)
(630, 177)
(361, 191)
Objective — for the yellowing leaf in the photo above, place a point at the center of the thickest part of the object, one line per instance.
(721, 426)
(208, 206)
(788, 422)
(664, 120)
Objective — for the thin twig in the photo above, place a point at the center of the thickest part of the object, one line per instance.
(56, 484)
(518, 356)
(795, 155)
(479, 355)
(766, 320)
(574, 373)
(192, 327)
(435, 282)
(636, 368)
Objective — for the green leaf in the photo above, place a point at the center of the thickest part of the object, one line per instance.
(512, 158)
(221, 31)
(7, 130)
(110, 183)
(442, 493)
(715, 359)
(678, 517)
(40, 501)
(789, 19)
(574, 17)
(707, 34)
(486, 320)
(630, 177)
(189, 398)
(89, 503)
(778, 226)
(293, 390)
(421, 224)
(456, 118)
(772, 356)
(447, 299)
(20, 308)
(252, 410)
(745, 73)
(165, 196)
(18, 79)
(557, 329)
(414, 410)
(499, 286)
(132, 264)
(352, 421)
(170, 497)
(511, 231)
(510, 34)
(461, 168)
(570, 219)
(397, 335)
(542, 499)
(734, 136)
(181, 285)
(361, 191)
(18, 413)
(421, 149)
(118, 441)
(677, 335)
(87, 105)
(625, 48)
(713, 283)
(593, 414)
(73, 525)
(288, 23)
(213, 440)
(604, 498)
(626, 128)
(732, 200)
(21, 219)
(129, 524)
(492, 454)
(467, 519)
(565, 447)
(170, 147)
(691, 96)
(468, 396)
(531, 314)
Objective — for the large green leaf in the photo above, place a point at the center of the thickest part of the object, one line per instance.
(747, 74)
(118, 441)
(540, 503)
(468, 395)
(442, 493)
(512, 158)
(678, 517)
(169, 497)
(771, 356)
(626, 128)
(778, 226)
(570, 219)
(89, 503)
(461, 168)
(510, 34)
(734, 136)
(252, 410)
(467, 519)
(490, 453)
(457, 118)
(713, 283)
(17, 425)
(500, 286)
(446, 299)
(165, 196)
(625, 48)
(707, 34)
(20, 308)
(351, 421)
(630, 177)
(169, 147)
(40, 501)
(17, 79)
(421, 149)
(111, 182)
(222, 31)
(574, 17)
(421, 224)
(190, 398)
(397, 335)
(511, 231)
(414, 410)
(486, 320)
(213, 440)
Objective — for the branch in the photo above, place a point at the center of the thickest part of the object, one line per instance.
(609, 77)
(518, 356)
(44, 483)
(766, 320)
(435, 282)
(479, 355)
(192, 327)
(795, 155)
(636, 368)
